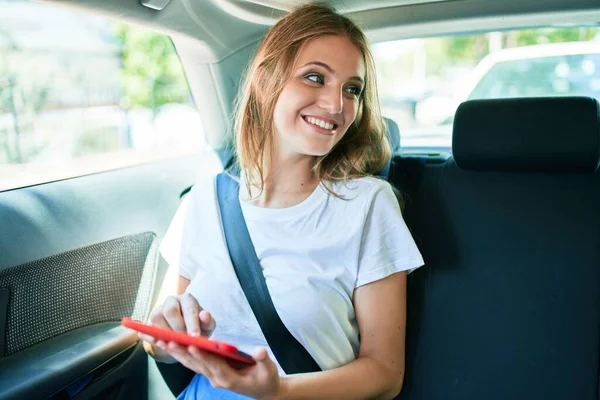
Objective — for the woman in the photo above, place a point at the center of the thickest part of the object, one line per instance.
(330, 237)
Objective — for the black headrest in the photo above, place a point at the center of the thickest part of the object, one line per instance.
(557, 134)
(393, 134)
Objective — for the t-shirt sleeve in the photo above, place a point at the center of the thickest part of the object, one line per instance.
(387, 245)
(173, 247)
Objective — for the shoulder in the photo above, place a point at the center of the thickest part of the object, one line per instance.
(366, 193)
(203, 189)
(201, 198)
(200, 208)
(365, 188)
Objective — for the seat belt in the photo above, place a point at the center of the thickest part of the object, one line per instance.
(290, 354)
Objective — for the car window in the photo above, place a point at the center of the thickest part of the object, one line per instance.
(423, 81)
(569, 75)
(81, 93)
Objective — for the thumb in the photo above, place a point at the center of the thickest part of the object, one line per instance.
(261, 355)
(207, 323)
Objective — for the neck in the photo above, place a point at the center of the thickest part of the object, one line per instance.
(288, 181)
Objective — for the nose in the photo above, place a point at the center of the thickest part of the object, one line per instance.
(331, 100)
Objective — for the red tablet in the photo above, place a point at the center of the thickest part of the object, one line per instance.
(235, 357)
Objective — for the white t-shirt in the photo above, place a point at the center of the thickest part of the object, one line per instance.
(313, 256)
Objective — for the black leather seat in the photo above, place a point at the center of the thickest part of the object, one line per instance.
(508, 303)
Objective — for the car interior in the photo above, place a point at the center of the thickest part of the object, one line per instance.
(507, 305)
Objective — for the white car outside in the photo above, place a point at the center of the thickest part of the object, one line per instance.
(558, 69)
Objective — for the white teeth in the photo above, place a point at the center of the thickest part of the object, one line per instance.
(320, 123)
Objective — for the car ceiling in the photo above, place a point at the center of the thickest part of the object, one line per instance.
(226, 26)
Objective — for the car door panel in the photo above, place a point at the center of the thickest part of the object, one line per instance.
(75, 257)
(44, 370)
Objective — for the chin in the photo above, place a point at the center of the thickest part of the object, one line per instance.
(316, 150)
(316, 147)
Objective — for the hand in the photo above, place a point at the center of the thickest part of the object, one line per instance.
(181, 313)
(260, 381)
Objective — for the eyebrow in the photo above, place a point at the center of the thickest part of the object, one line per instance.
(331, 70)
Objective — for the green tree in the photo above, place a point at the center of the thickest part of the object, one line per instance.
(530, 37)
(455, 50)
(151, 71)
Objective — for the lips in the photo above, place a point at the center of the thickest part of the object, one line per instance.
(320, 125)
(323, 122)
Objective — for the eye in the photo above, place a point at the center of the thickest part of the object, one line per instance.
(315, 78)
(354, 90)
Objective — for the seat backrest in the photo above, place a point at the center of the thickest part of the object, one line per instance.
(393, 135)
(507, 305)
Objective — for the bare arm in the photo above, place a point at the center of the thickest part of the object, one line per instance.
(378, 372)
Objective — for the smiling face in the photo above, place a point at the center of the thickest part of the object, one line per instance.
(321, 99)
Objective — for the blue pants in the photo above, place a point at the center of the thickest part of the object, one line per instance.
(201, 389)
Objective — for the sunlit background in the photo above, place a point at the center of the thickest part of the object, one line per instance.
(81, 93)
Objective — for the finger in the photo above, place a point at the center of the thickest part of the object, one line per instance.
(208, 360)
(183, 355)
(175, 348)
(171, 310)
(207, 323)
(147, 338)
(260, 355)
(190, 310)
(195, 353)
(186, 359)
(157, 318)
(221, 373)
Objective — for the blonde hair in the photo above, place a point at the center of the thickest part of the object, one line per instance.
(363, 150)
